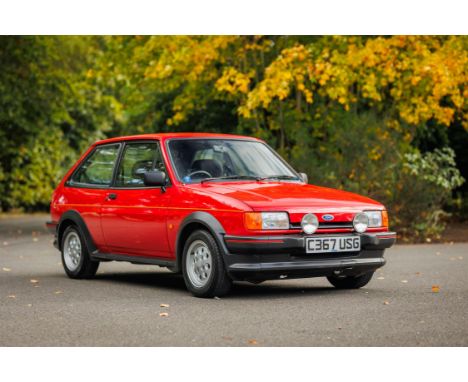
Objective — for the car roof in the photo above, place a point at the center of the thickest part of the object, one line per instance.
(165, 136)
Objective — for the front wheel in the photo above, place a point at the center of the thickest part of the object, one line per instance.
(350, 282)
(75, 256)
(203, 267)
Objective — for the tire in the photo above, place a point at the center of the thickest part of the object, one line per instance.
(350, 282)
(75, 257)
(203, 266)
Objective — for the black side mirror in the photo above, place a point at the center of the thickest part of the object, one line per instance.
(154, 178)
(304, 177)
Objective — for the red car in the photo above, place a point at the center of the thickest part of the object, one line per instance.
(216, 208)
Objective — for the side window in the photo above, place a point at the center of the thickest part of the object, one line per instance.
(137, 159)
(98, 168)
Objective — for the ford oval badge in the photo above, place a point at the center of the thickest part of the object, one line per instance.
(328, 217)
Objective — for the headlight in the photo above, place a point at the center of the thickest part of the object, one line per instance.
(266, 220)
(361, 222)
(377, 218)
(309, 223)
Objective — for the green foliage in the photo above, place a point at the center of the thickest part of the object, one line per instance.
(49, 112)
(427, 182)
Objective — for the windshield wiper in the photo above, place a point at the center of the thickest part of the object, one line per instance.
(280, 177)
(231, 177)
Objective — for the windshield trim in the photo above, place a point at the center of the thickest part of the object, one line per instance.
(174, 168)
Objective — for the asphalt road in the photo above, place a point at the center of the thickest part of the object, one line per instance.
(40, 306)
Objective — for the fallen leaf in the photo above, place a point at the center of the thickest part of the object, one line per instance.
(386, 303)
(404, 281)
(339, 328)
(36, 286)
(5, 243)
(35, 239)
(58, 292)
(11, 296)
(253, 342)
(164, 305)
(32, 281)
(435, 289)
(381, 278)
(6, 269)
(460, 257)
(164, 314)
(418, 273)
(29, 305)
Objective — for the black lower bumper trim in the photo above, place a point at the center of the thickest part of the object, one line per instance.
(316, 264)
(52, 227)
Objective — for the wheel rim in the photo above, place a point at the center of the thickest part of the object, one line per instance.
(72, 251)
(199, 263)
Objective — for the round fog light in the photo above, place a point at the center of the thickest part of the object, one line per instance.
(361, 222)
(309, 223)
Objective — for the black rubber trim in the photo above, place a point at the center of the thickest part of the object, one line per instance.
(210, 223)
(75, 217)
(134, 259)
(309, 264)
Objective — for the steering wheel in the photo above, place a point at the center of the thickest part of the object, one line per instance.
(201, 172)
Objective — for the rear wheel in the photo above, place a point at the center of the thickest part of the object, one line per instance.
(350, 282)
(75, 257)
(203, 266)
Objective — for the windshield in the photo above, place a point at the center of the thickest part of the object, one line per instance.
(197, 160)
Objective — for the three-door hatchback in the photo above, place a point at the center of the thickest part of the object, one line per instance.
(216, 208)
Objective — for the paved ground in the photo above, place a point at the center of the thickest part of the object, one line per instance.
(122, 305)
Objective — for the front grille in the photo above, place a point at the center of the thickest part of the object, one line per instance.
(326, 225)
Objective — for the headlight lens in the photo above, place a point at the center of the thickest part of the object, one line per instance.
(266, 220)
(377, 218)
(361, 222)
(309, 223)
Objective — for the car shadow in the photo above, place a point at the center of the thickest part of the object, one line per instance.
(146, 279)
(239, 290)
(270, 290)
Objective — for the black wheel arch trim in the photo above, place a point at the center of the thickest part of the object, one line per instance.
(210, 223)
(75, 217)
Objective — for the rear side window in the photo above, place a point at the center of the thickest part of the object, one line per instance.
(137, 159)
(98, 168)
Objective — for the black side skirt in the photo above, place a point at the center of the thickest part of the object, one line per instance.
(133, 259)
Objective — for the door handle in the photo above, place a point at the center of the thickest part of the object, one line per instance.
(111, 196)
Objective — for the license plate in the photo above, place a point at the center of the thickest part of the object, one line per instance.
(333, 244)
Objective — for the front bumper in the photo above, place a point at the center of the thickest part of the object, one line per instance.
(270, 257)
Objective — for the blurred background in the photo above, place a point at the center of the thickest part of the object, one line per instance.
(380, 116)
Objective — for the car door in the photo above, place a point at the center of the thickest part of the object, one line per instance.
(89, 184)
(133, 216)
